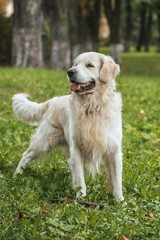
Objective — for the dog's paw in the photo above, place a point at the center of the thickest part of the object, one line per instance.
(18, 171)
(80, 194)
(120, 198)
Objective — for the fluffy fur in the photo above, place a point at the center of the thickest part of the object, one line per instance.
(88, 122)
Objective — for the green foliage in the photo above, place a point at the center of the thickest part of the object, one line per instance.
(139, 219)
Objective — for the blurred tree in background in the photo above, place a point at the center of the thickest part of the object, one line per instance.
(158, 11)
(62, 29)
(74, 29)
(139, 27)
(27, 42)
(5, 33)
(146, 9)
(113, 14)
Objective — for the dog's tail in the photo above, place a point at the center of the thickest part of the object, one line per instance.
(27, 111)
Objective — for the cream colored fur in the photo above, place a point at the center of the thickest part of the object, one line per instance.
(89, 123)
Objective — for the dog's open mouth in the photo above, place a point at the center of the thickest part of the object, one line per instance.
(82, 87)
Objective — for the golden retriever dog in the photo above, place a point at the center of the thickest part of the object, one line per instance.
(88, 121)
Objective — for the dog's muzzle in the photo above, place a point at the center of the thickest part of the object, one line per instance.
(72, 75)
(77, 86)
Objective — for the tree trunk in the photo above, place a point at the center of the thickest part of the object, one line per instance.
(148, 31)
(87, 24)
(74, 29)
(142, 30)
(128, 29)
(56, 13)
(27, 42)
(112, 11)
(158, 40)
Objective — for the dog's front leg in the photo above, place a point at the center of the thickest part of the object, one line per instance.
(114, 165)
(77, 170)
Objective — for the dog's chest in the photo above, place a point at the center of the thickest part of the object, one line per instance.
(89, 134)
(89, 119)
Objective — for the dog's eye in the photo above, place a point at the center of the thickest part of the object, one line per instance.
(89, 65)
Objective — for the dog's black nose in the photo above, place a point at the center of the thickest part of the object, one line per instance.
(71, 72)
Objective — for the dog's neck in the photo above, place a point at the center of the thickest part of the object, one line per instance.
(91, 104)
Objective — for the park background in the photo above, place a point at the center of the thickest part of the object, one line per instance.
(38, 42)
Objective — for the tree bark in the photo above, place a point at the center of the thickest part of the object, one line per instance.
(148, 31)
(26, 42)
(142, 29)
(128, 26)
(56, 13)
(112, 11)
(84, 26)
(74, 29)
(158, 40)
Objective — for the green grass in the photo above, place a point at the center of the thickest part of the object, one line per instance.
(139, 83)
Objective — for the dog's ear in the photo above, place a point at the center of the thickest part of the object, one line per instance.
(109, 69)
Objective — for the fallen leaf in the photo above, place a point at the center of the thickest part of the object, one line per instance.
(123, 238)
(51, 234)
(132, 233)
(141, 111)
(85, 217)
(150, 214)
(156, 147)
(20, 214)
(157, 140)
(8, 111)
(44, 211)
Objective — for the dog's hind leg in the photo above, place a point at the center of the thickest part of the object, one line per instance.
(28, 156)
(45, 139)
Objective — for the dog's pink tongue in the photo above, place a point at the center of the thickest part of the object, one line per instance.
(74, 87)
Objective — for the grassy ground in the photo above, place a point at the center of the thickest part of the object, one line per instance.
(139, 83)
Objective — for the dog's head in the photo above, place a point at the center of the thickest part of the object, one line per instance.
(92, 71)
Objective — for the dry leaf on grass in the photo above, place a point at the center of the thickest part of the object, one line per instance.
(156, 147)
(123, 238)
(141, 111)
(20, 214)
(44, 211)
(150, 214)
(8, 112)
(51, 234)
